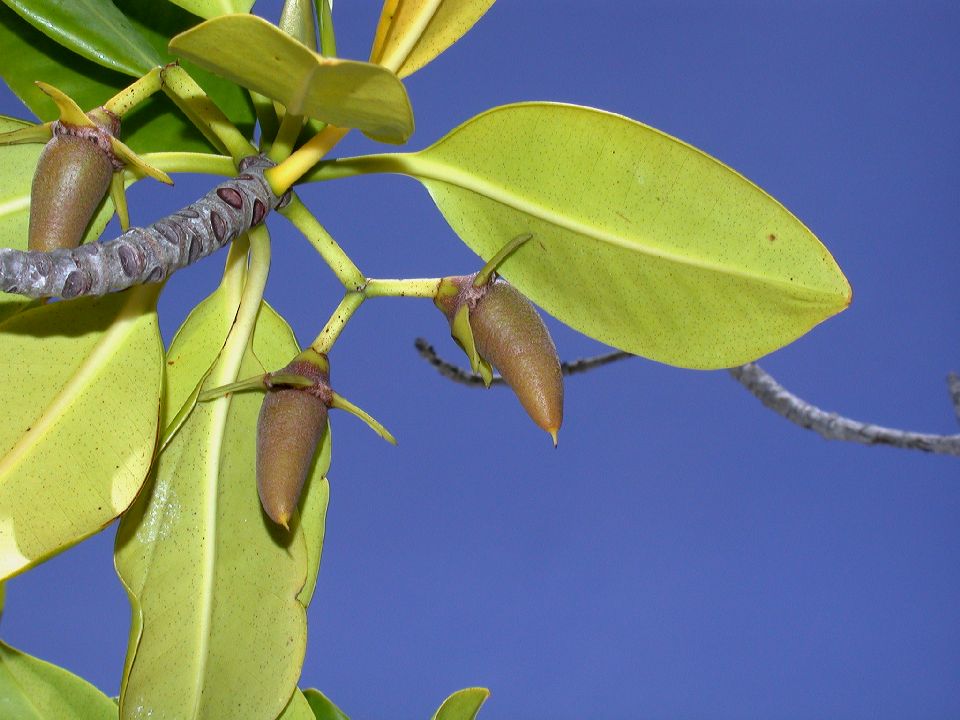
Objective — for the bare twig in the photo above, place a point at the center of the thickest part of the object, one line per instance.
(953, 384)
(150, 254)
(762, 385)
(832, 426)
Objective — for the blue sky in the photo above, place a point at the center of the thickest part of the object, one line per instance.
(685, 553)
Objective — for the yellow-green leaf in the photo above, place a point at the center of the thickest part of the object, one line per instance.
(462, 705)
(345, 93)
(17, 163)
(69, 367)
(298, 708)
(200, 338)
(316, 491)
(328, 38)
(411, 33)
(323, 708)
(213, 582)
(313, 514)
(195, 348)
(32, 689)
(639, 240)
(213, 8)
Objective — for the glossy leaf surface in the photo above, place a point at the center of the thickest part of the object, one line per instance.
(212, 581)
(328, 37)
(462, 705)
(323, 708)
(411, 33)
(158, 22)
(29, 55)
(157, 124)
(639, 240)
(32, 689)
(67, 367)
(212, 8)
(94, 29)
(297, 21)
(346, 93)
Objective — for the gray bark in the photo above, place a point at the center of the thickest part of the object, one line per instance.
(833, 426)
(149, 254)
(768, 391)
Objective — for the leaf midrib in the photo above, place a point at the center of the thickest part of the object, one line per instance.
(125, 324)
(415, 35)
(423, 168)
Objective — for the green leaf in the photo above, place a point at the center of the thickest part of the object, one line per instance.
(160, 21)
(16, 177)
(297, 21)
(462, 705)
(192, 353)
(32, 689)
(639, 240)
(345, 93)
(199, 340)
(17, 163)
(195, 348)
(313, 515)
(94, 29)
(68, 366)
(298, 708)
(29, 55)
(323, 708)
(157, 124)
(212, 8)
(328, 37)
(411, 33)
(213, 583)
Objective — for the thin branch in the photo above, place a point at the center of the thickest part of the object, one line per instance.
(953, 384)
(831, 425)
(150, 254)
(773, 395)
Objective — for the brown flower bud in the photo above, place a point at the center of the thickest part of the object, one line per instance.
(71, 179)
(291, 424)
(509, 334)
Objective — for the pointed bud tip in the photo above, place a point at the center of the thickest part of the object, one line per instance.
(280, 517)
(553, 434)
